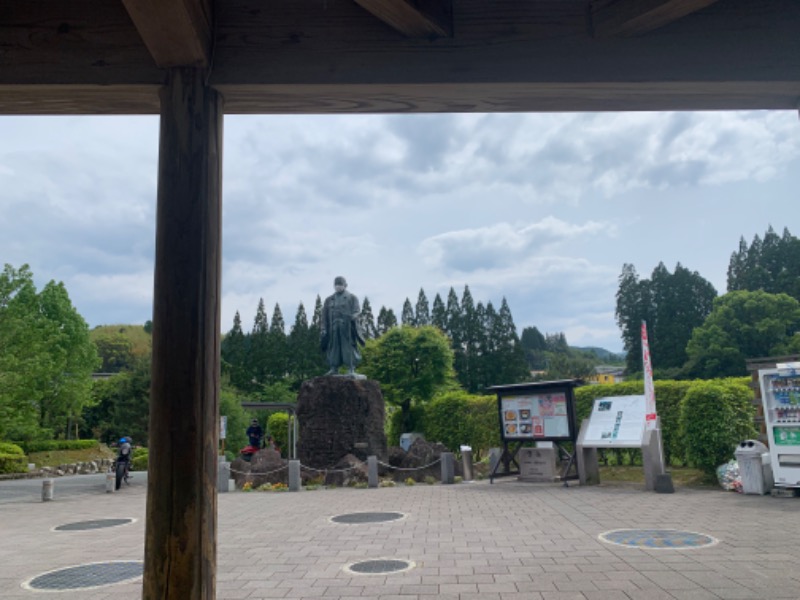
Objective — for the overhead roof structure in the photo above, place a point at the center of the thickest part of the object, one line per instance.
(351, 56)
(192, 61)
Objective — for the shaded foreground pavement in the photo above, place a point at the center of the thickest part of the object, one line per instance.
(507, 541)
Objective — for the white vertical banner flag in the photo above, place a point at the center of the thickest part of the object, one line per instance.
(649, 389)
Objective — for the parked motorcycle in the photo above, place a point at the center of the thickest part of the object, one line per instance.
(123, 463)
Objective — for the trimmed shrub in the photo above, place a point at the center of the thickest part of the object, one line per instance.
(456, 418)
(52, 445)
(715, 416)
(395, 423)
(278, 428)
(12, 458)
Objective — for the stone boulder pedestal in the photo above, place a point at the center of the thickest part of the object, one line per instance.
(337, 416)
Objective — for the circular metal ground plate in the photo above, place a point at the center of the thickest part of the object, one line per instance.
(657, 539)
(86, 576)
(379, 566)
(367, 517)
(97, 524)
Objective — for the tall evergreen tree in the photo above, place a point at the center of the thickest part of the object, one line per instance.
(277, 363)
(771, 265)
(234, 354)
(632, 302)
(467, 361)
(423, 312)
(439, 314)
(368, 320)
(534, 346)
(512, 365)
(407, 316)
(316, 319)
(258, 358)
(303, 349)
(386, 320)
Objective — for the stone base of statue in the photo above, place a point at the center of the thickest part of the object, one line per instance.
(337, 416)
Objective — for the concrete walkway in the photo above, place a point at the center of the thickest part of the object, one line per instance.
(506, 541)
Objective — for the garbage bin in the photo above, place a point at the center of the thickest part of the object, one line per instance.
(755, 467)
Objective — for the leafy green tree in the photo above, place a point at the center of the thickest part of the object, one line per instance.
(230, 405)
(422, 315)
(368, 320)
(115, 351)
(75, 357)
(25, 361)
(742, 325)
(121, 405)
(411, 364)
(386, 321)
(46, 358)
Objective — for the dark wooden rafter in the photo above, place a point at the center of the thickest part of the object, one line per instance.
(308, 56)
(636, 17)
(177, 33)
(414, 18)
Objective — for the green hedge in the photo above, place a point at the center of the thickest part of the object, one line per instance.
(715, 416)
(456, 418)
(12, 458)
(51, 445)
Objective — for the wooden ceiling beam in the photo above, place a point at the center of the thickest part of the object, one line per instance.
(176, 32)
(625, 18)
(414, 18)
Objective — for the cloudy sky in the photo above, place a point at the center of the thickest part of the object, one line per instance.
(542, 209)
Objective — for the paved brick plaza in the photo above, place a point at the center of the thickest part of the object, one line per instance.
(506, 541)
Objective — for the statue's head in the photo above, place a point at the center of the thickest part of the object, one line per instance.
(340, 284)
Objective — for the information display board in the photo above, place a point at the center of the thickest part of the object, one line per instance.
(536, 412)
(617, 421)
(535, 416)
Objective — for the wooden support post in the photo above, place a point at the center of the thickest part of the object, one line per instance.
(180, 539)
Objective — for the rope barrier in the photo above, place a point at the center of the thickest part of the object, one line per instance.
(260, 472)
(438, 460)
(327, 471)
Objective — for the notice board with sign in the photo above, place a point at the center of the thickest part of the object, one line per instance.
(535, 412)
(616, 422)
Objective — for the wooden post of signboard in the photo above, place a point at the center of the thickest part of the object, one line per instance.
(180, 538)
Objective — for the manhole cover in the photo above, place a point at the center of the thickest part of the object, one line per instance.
(98, 524)
(367, 517)
(370, 567)
(662, 539)
(86, 576)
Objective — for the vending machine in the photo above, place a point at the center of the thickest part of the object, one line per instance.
(780, 393)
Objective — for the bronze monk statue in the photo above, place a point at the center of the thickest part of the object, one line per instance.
(341, 332)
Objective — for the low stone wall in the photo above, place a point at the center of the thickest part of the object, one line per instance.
(81, 468)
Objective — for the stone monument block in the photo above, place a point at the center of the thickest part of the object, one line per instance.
(337, 416)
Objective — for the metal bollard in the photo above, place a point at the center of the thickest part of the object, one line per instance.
(466, 460)
(448, 467)
(223, 475)
(111, 483)
(294, 475)
(372, 471)
(47, 490)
